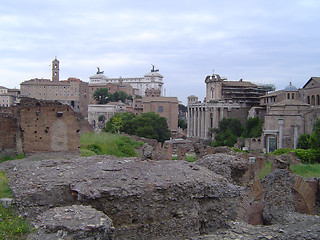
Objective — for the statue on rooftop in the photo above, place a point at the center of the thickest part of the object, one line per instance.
(99, 72)
(154, 70)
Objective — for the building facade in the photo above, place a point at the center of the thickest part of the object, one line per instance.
(166, 107)
(99, 114)
(153, 79)
(224, 99)
(72, 91)
(8, 96)
(289, 113)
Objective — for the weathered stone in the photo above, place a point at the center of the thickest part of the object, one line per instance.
(252, 204)
(278, 196)
(231, 167)
(182, 153)
(6, 202)
(144, 199)
(298, 227)
(72, 222)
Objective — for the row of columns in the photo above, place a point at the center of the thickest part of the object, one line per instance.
(202, 118)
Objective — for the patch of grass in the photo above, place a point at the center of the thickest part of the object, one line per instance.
(5, 191)
(8, 158)
(107, 143)
(265, 171)
(87, 153)
(12, 226)
(306, 170)
(189, 158)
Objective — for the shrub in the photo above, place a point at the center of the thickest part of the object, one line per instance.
(308, 155)
(305, 155)
(304, 141)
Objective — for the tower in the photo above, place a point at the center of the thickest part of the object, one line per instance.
(55, 70)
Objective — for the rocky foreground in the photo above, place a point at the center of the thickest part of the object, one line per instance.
(103, 197)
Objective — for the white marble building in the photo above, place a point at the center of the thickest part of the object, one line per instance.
(153, 79)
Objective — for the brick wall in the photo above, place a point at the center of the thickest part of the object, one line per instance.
(8, 133)
(40, 126)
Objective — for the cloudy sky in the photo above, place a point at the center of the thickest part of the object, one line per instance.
(263, 41)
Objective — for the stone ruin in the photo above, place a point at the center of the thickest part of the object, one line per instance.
(219, 196)
(40, 126)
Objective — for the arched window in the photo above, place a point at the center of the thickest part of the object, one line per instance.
(288, 96)
(318, 100)
(160, 109)
(312, 100)
(292, 95)
(308, 99)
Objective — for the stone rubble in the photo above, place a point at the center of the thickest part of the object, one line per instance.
(103, 197)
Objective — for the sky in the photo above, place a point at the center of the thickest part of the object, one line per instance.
(265, 42)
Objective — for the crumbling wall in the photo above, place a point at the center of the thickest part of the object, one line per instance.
(39, 126)
(48, 126)
(9, 132)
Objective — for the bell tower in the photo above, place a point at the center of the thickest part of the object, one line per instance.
(55, 70)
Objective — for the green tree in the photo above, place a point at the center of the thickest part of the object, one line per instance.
(151, 125)
(182, 124)
(101, 96)
(128, 123)
(182, 108)
(307, 141)
(315, 136)
(304, 141)
(227, 132)
(116, 124)
(148, 125)
(253, 128)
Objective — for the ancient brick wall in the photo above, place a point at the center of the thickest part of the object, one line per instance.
(48, 126)
(8, 133)
(39, 126)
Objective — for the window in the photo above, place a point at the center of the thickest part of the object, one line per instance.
(288, 96)
(312, 100)
(292, 95)
(160, 109)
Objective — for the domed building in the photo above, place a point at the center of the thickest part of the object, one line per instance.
(289, 113)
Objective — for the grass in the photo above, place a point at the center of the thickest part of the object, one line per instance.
(12, 226)
(265, 171)
(189, 158)
(109, 144)
(8, 158)
(304, 170)
(5, 191)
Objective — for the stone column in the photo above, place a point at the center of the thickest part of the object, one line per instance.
(181, 153)
(202, 123)
(280, 122)
(295, 137)
(199, 123)
(206, 123)
(189, 122)
(221, 113)
(194, 134)
(215, 117)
